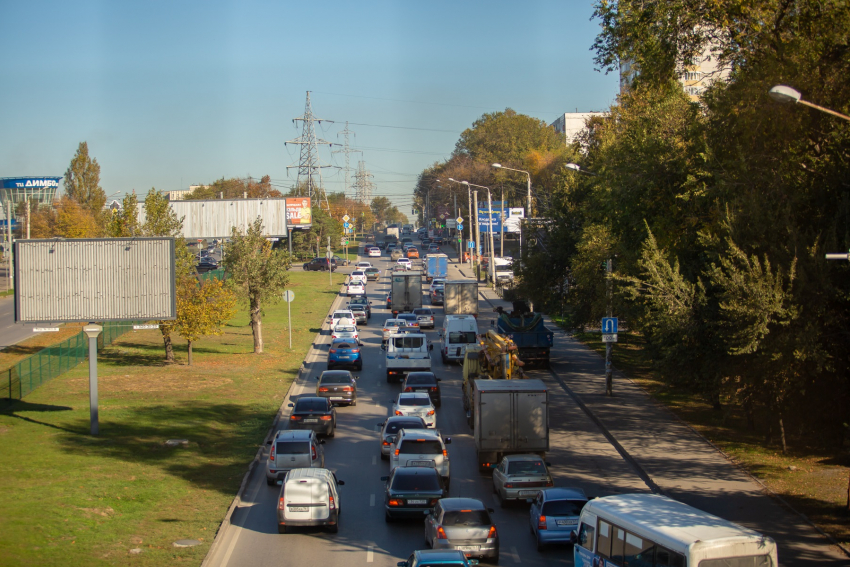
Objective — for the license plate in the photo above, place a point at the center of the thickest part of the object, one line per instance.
(566, 522)
(337, 398)
(468, 547)
(311, 421)
(298, 508)
(417, 501)
(528, 492)
(421, 463)
(344, 357)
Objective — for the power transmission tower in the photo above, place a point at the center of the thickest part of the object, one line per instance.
(363, 184)
(309, 166)
(346, 149)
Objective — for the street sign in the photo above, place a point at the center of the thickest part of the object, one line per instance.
(442, 217)
(273, 239)
(288, 296)
(346, 218)
(470, 244)
(141, 327)
(459, 220)
(609, 338)
(609, 326)
(346, 225)
(460, 226)
(433, 220)
(46, 330)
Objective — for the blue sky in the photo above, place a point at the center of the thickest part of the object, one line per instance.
(169, 94)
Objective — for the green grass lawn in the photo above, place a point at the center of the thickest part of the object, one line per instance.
(72, 499)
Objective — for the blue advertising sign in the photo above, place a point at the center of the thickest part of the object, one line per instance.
(484, 222)
(29, 182)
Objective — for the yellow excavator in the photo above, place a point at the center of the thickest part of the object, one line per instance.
(493, 358)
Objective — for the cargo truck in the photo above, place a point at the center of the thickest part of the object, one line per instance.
(461, 297)
(509, 417)
(392, 233)
(436, 266)
(529, 333)
(405, 292)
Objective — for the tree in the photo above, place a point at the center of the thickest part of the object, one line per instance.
(73, 221)
(259, 271)
(125, 223)
(236, 188)
(43, 222)
(506, 137)
(202, 308)
(82, 181)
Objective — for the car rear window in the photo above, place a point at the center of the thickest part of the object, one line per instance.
(526, 467)
(466, 518)
(420, 379)
(407, 317)
(336, 377)
(421, 447)
(394, 426)
(422, 312)
(292, 448)
(416, 482)
(462, 337)
(563, 507)
(311, 405)
(338, 345)
(412, 401)
(408, 342)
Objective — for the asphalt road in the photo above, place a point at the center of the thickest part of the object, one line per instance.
(10, 332)
(580, 457)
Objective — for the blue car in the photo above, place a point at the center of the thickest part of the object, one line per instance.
(344, 353)
(554, 514)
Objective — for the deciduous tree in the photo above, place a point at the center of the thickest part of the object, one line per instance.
(82, 181)
(203, 307)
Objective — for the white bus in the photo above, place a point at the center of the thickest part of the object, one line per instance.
(649, 530)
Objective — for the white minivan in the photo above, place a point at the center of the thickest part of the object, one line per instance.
(458, 332)
(309, 497)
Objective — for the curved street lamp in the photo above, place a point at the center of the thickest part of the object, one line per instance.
(528, 175)
(786, 94)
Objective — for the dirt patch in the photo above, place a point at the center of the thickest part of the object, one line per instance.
(102, 512)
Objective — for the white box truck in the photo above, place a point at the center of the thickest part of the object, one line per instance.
(508, 417)
(461, 297)
(405, 292)
(406, 353)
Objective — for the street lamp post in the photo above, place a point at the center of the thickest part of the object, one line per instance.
(489, 225)
(785, 94)
(469, 209)
(528, 175)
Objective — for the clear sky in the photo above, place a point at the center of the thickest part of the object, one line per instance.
(173, 93)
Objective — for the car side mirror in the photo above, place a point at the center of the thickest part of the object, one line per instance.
(548, 464)
(573, 537)
(430, 347)
(316, 378)
(491, 510)
(438, 379)
(321, 441)
(448, 441)
(291, 405)
(269, 442)
(341, 482)
(357, 377)
(385, 478)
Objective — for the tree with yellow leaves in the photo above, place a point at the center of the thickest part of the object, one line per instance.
(203, 307)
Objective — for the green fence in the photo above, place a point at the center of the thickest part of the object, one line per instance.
(50, 362)
(217, 274)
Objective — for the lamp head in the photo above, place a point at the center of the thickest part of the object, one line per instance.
(782, 93)
(573, 166)
(497, 165)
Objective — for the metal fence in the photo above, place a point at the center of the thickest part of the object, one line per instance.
(217, 274)
(30, 373)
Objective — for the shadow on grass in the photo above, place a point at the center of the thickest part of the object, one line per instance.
(141, 354)
(14, 408)
(21, 350)
(222, 438)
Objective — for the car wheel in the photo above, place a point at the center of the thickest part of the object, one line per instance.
(333, 432)
(334, 528)
(443, 357)
(354, 402)
(388, 519)
(389, 378)
(330, 366)
(271, 481)
(495, 559)
(385, 457)
(540, 546)
(281, 529)
(360, 366)
(502, 502)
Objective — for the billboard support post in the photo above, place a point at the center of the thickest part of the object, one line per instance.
(92, 331)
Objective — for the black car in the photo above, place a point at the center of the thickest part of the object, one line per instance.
(364, 302)
(437, 240)
(437, 297)
(313, 412)
(319, 265)
(412, 491)
(423, 382)
(206, 264)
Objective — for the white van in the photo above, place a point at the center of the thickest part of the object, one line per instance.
(458, 332)
(309, 497)
(407, 353)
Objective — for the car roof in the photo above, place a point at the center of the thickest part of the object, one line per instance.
(421, 433)
(439, 555)
(294, 434)
(566, 493)
(462, 504)
(336, 372)
(415, 471)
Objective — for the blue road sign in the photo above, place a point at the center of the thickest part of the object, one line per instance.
(460, 227)
(470, 244)
(609, 325)
(346, 225)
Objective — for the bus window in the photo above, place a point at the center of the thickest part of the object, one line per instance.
(639, 552)
(666, 558)
(603, 541)
(747, 561)
(618, 545)
(585, 536)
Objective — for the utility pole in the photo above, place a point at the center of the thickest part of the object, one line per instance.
(330, 264)
(502, 227)
(346, 149)
(363, 184)
(609, 375)
(28, 218)
(469, 194)
(477, 233)
(309, 165)
(457, 234)
(490, 227)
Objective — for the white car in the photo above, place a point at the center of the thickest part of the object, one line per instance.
(363, 265)
(404, 262)
(374, 252)
(437, 282)
(417, 404)
(355, 288)
(358, 275)
(345, 332)
(342, 317)
(390, 325)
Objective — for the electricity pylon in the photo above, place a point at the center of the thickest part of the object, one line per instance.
(309, 166)
(346, 149)
(363, 184)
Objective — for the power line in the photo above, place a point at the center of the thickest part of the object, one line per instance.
(406, 128)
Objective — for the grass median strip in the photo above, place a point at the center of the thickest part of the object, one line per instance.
(72, 499)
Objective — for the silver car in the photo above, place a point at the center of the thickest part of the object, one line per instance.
(293, 449)
(339, 386)
(520, 477)
(417, 404)
(554, 515)
(391, 427)
(464, 524)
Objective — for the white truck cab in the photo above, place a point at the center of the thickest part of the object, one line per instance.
(458, 332)
(407, 353)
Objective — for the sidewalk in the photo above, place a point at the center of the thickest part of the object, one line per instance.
(669, 456)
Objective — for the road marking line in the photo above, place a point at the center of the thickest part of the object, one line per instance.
(515, 555)
(371, 500)
(374, 460)
(370, 555)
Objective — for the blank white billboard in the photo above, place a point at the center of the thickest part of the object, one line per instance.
(94, 280)
(216, 218)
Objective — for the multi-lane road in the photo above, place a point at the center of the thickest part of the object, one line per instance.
(581, 455)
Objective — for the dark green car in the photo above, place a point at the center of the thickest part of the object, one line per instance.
(372, 274)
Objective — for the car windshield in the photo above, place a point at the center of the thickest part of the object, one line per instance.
(462, 337)
(341, 345)
(563, 507)
(526, 467)
(292, 447)
(416, 482)
(394, 426)
(466, 518)
(336, 377)
(420, 447)
(311, 405)
(414, 401)
(419, 378)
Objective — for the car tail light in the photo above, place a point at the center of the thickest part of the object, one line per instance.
(394, 502)
(387, 443)
(433, 388)
(430, 412)
(271, 453)
(396, 452)
(408, 389)
(509, 485)
(355, 350)
(348, 389)
(331, 503)
(295, 418)
(281, 504)
(441, 533)
(541, 523)
(445, 453)
(323, 389)
(397, 412)
(492, 533)
(325, 417)
(550, 482)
